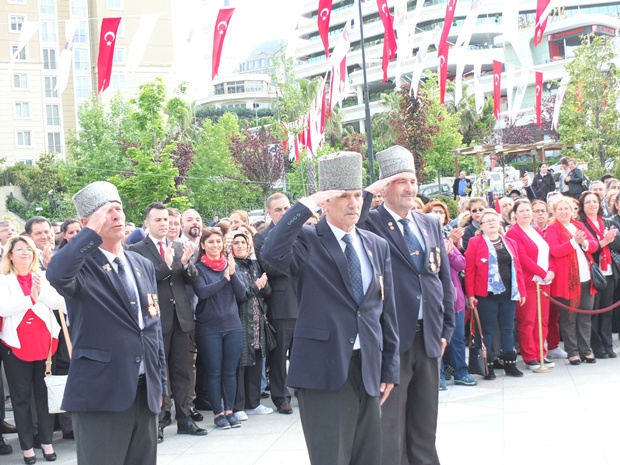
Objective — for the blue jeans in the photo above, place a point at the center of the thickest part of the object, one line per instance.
(220, 355)
(455, 352)
(498, 311)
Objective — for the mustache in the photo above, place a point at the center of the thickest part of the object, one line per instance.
(354, 211)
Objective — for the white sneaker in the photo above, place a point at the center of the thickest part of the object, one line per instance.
(557, 353)
(241, 415)
(260, 410)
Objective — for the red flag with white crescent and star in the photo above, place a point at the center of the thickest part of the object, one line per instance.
(444, 48)
(389, 38)
(107, 41)
(219, 34)
(539, 84)
(325, 12)
(542, 13)
(497, 88)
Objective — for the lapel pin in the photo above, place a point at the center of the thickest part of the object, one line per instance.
(137, 273)
(369, 253)
(424, 232)
(391, 225)
(107, 267)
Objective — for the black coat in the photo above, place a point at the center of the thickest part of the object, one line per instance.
(542, 185)
(249, 271)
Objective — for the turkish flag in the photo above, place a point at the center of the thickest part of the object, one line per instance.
(219, 34)
(325, 12)
(389, 38)
(539, 84)
(444, 48)
(442, 52)
(542, 13)
(497, 87)
(107, 41)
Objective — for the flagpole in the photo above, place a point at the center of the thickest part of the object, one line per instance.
(371, 158)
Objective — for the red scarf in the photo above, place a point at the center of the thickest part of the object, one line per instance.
(599, 229)
(574, 284)
(215, 265)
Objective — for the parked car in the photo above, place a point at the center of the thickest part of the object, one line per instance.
(432, 190)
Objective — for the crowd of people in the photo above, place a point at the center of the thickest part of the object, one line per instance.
(207, 316)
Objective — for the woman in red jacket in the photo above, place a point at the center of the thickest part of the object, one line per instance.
(494, 279)
(571, 246)
(537, 268)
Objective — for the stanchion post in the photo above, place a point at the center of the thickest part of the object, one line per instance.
(542, 368)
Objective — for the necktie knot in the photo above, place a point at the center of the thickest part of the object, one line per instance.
(347, 239)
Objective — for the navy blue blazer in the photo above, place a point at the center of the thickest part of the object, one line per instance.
(108, 344)
(329, 317)
(432, 284)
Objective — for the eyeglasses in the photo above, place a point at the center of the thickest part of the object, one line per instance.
(22, 250)
(477, 210)
(492, 221)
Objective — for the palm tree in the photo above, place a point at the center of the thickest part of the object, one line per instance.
(384, 129)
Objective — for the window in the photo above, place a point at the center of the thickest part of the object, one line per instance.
(16, 23)
(50, 85)
(48, 31)
(47, 7)
(24, 138)
(22, 53)
(22, 109)
(80, 59)
(26, 161)
(18, 2)
(49, 58)
(81, 36)
(78, 8)
(119, 56)
(53, 115)
(219, 89)
(118, 82)
(53, 142)
(115, 4)
(235, 87)
(254, 86)
(82, 87)
(20, 81)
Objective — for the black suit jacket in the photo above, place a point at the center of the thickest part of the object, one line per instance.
(432, 285)
(170, 284)
(108, 344)
(282, 304)
(329, 317)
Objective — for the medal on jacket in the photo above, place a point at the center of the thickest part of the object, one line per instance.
(153, 304)
(391, 225)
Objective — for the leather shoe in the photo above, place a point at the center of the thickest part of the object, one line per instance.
(160, 435)
(191, 428)
(195, 414)
(166, 420)
(30, 460)
(50, 457)
(5, 449)
(285, 408)
(7, 428)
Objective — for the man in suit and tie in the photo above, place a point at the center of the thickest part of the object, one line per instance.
(282, 309)
(423, 293)
(344, 360)
(117, 376)
(173, 270)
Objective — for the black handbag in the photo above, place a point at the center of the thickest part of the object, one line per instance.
(270, 336)
(477, 361)
(599, 280)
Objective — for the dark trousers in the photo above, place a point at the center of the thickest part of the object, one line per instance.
(277, 359)
(2, 395)
(601, 338)
(60, 366)
(576, 327)
(26, 379)
(500, 311)
(248, 384)
(351, 436)
(409, 415)
(221, 357)
(176, 346)
(117, 438)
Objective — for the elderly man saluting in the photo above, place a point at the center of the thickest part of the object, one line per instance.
(345, 359)
(117, 375)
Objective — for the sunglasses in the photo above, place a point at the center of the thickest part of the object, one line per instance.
(477, 210)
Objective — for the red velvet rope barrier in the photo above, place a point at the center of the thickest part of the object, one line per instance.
(580, 310)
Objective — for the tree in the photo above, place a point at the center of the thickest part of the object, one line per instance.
(589, 113)
(214, 180)
(384, 133)
(259, 156)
